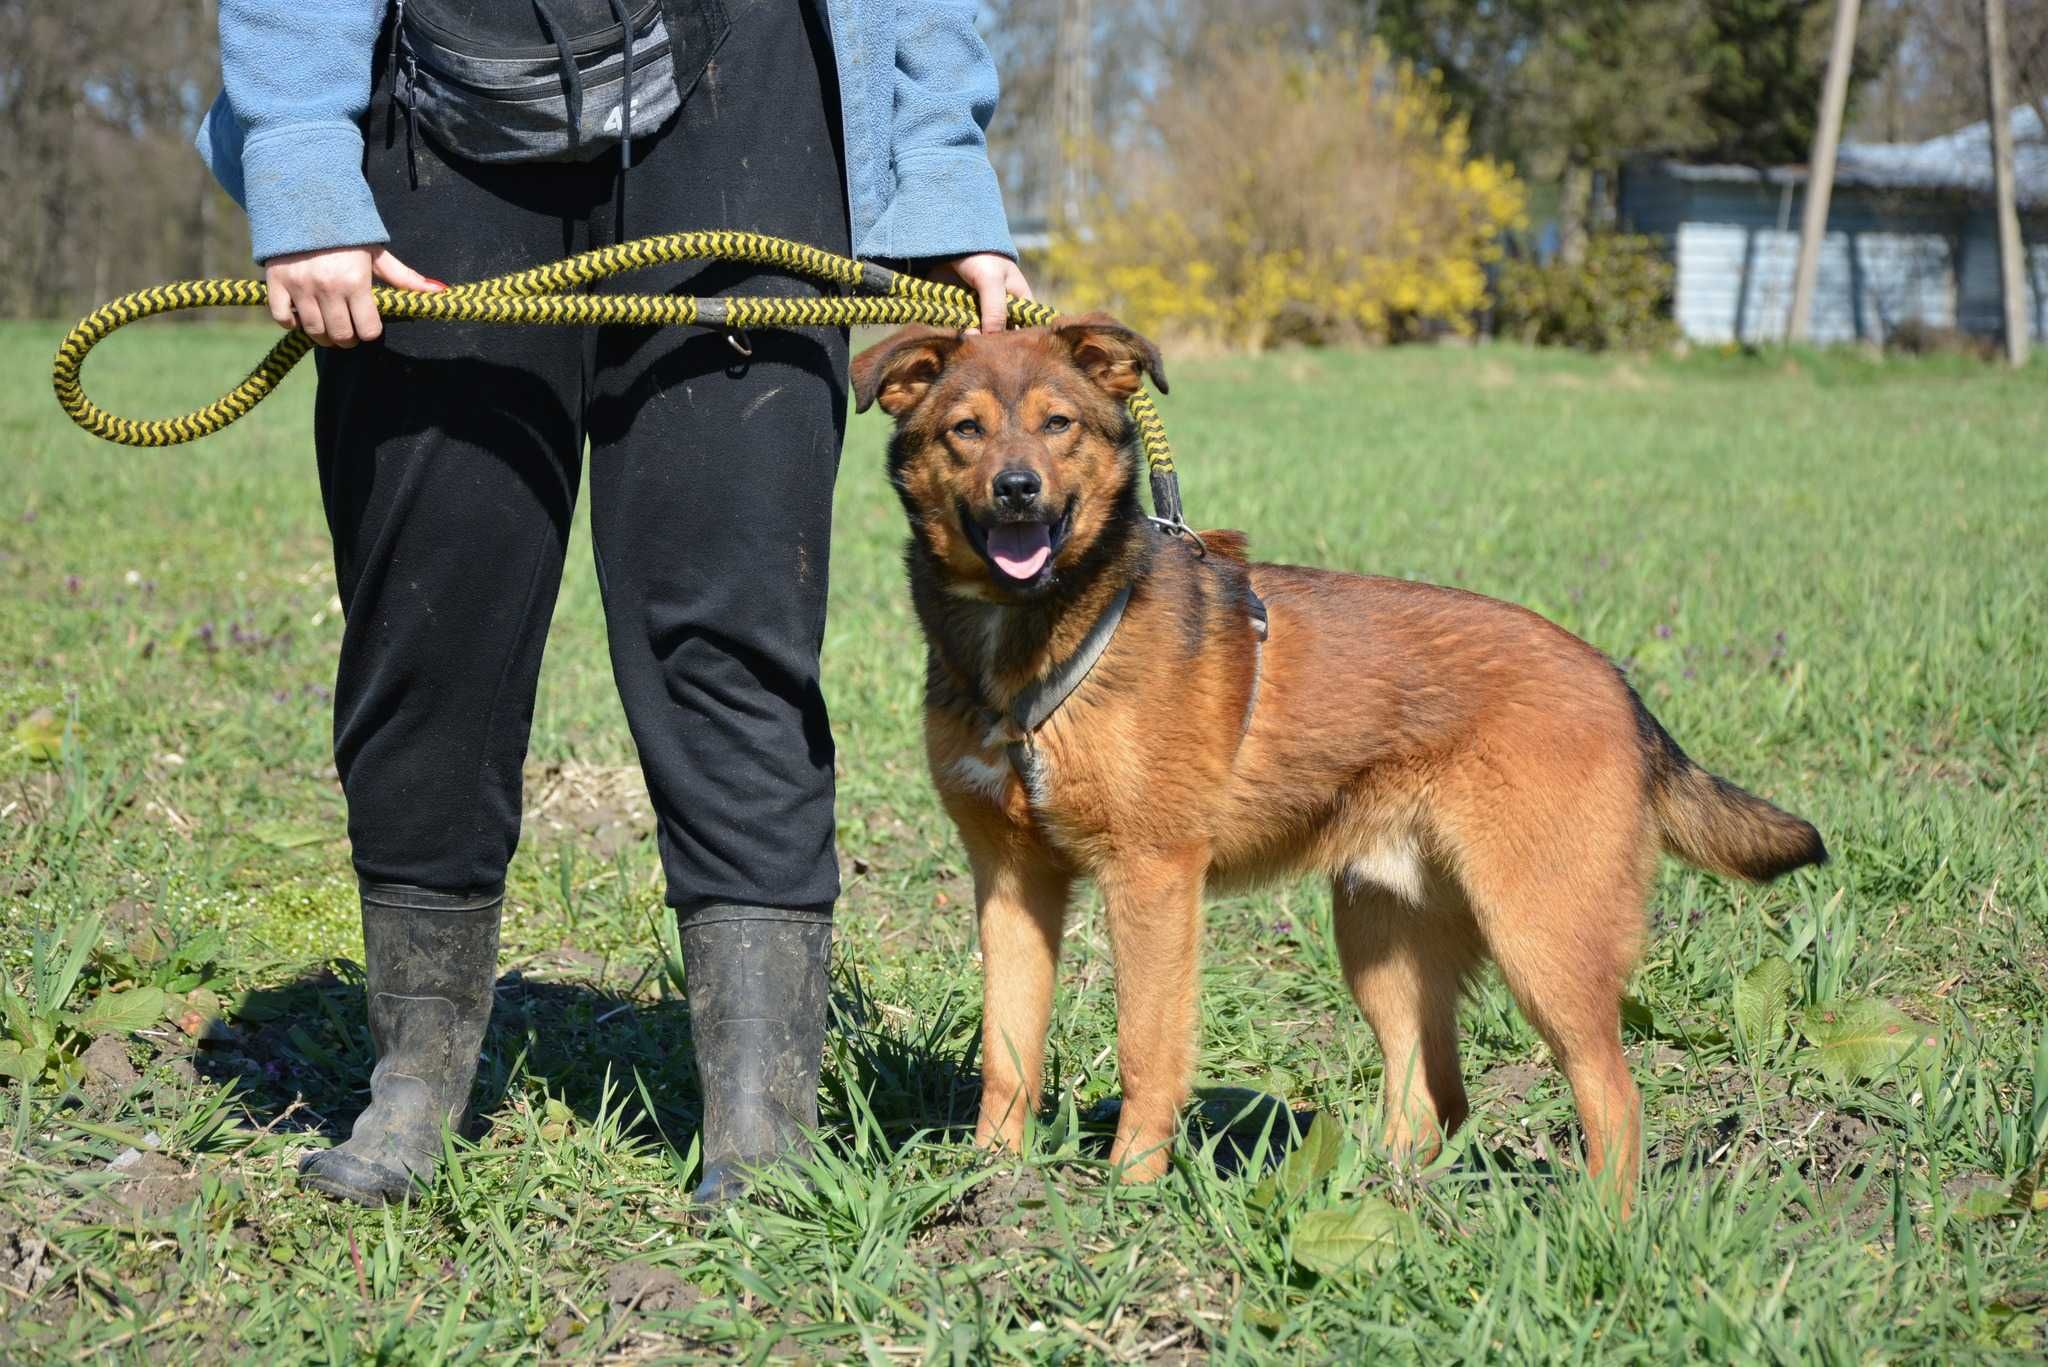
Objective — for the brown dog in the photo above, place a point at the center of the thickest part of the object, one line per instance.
(1473, 780)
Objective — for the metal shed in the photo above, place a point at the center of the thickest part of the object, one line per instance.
(1910, 237)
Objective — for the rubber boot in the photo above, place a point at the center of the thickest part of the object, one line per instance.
(432, 960)
(758, 983)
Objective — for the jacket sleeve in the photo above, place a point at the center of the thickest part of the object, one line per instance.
(947, 201)
(283, 137)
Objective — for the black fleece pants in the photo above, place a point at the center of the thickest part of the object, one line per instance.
(450, 457)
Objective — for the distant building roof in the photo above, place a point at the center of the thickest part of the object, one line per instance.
(1954, 163)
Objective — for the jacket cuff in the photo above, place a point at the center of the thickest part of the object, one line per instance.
(947, 204)
(304, 188)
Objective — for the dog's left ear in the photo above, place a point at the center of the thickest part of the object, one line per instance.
(1111, 354)
(899, 369)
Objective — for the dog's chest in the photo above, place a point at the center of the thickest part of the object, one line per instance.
(1002, 770)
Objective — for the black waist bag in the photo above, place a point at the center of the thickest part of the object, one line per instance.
(547, 80)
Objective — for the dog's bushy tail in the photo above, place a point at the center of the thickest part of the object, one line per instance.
(1714, 825)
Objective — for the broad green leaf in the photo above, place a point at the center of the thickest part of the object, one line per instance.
(1983, 1203)
(1864, 1038)
(556, 1121)
(1357, 1238)
(122, 1012)
(41, 734)
(1306, 1163)
(16, 1061)
(201, 949)
(1640, 1020)
(1762, 1002)
(15, 1015)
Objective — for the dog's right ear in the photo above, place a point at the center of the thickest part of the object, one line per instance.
(897, 370)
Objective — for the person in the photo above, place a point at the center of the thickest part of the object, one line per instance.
(366, 143)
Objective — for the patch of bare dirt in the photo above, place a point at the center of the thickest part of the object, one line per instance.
(631, 1290)
(1825, 1145)
(567, 962)
(605, 805)
(1007, 1213)
(107, 1065)
(152, 1185)
(1507, 1084)
(644, 1286)
(999, 1215)
(24, 1264)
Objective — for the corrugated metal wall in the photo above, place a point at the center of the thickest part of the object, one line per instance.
(1886, 259)
(1980, 308)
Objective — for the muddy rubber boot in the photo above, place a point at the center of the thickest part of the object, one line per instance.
(432, 960)
(759, 985)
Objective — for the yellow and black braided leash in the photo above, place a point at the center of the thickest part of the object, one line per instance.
(549, 295)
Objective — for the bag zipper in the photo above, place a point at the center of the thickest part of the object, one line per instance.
(529, 91)
(603, 38)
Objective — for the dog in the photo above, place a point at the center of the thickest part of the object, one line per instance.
(1108, 701)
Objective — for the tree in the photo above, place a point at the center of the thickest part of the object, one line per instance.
(1764, 62)
(1566, 89)
(100, 190)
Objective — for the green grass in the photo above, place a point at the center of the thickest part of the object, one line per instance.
(1827, 575)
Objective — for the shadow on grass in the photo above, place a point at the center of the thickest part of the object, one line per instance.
(300, 1055)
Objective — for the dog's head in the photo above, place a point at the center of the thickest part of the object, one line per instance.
(1013, 452)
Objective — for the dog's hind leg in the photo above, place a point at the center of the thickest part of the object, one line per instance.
(1021, 905)
(1153, 907)
(1565, 925)
(1406, 963)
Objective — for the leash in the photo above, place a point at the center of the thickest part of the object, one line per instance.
(545, 296)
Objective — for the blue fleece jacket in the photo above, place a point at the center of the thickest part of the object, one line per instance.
(916, 90)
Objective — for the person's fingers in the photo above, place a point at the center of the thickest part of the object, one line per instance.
(280, 304)
(994, 307)
(334, 313)
(363, 316)
(392, 271)
(307, 307)
(1017, 284)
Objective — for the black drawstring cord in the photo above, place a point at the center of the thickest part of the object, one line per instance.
(625, 118)
(412, 118)
(391, 76)
(570, 74)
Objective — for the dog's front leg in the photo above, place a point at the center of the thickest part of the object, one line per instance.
(1154, 911)
(1021, 904)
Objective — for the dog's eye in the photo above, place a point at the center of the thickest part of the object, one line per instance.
(1058, 422)
(967, 427)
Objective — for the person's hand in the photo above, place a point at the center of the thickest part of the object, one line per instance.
(328, 292)
(991, 277)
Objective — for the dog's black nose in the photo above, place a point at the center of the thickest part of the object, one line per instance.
(1017, 488)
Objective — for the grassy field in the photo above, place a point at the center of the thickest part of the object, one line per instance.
(1825, 574)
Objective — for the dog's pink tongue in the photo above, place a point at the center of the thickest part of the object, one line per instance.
(1020, 549)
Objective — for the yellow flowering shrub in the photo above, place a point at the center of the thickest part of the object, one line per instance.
(1277, 198)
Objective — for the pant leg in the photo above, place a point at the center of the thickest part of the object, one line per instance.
(711, 484)
(449, 459)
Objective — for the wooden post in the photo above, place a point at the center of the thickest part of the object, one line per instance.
(1820, 171)
(2011, 252)
(1073, 112)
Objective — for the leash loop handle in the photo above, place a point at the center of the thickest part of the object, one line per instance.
(551, 295)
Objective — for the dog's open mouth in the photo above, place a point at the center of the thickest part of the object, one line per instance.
(1020, 552)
